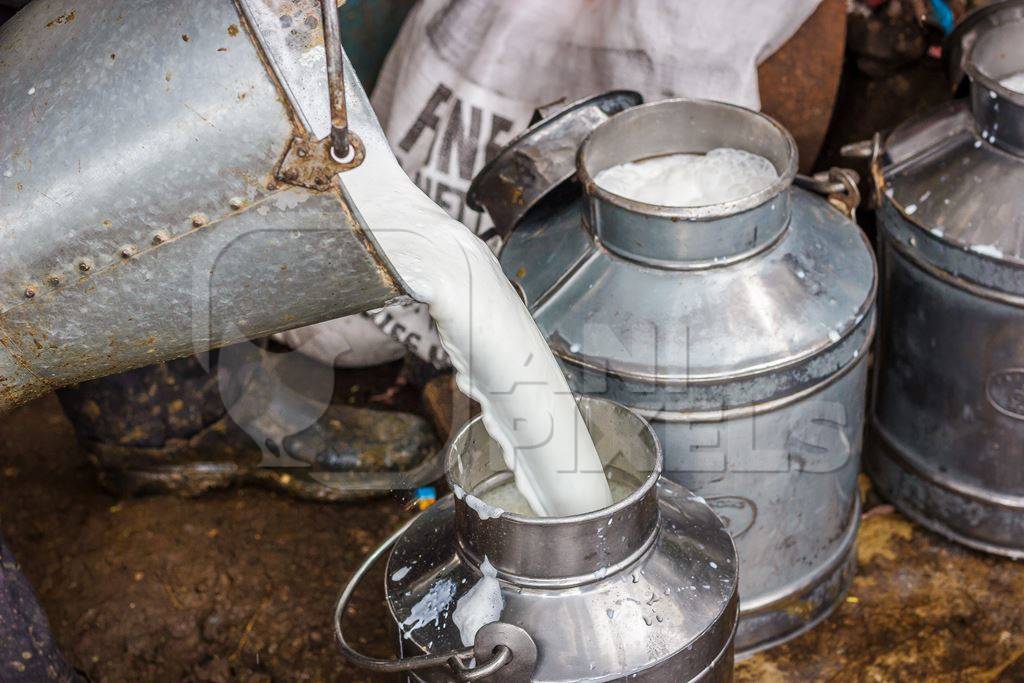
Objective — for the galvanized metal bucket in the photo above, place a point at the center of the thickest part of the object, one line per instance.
(644, 589)
(167, 183)
(740, 330)
(949, 398)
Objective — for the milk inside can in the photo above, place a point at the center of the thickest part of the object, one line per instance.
(740, 328)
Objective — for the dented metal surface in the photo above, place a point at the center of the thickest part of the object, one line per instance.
(289, 34)
(154, 226)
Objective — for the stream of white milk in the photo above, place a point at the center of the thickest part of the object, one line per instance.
(723, 174)
(501, 359)
(506, 498)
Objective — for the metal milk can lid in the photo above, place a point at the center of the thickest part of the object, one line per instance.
(540, 158)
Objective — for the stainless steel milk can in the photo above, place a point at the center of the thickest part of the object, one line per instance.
(948, 408)
(642, 590)
(741, 330)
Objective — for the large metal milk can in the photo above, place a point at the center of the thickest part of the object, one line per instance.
(949, 398)
(644, 589)
(740, 330)
(167, 183)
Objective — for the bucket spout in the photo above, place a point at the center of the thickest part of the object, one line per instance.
(167, 185)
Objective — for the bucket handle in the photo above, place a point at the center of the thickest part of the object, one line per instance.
(340, 147)
(456, 661)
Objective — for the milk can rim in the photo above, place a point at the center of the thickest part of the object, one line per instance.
(697, 213)
(976, 74)
(644, 489)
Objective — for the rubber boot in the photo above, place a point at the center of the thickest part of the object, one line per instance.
(245, 416)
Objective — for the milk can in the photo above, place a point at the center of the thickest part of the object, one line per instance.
(740, 330)
(644, 589)
(949, 402)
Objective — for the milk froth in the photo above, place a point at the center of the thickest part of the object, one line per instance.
(723, 174)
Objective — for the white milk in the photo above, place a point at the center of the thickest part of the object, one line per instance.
(483, 509)
(506, 498)
(432, 607)
(721, 175)
(481, 605)
(1014, 82)
(500, 357)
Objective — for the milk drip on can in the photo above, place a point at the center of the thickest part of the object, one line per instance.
(643, 590)
(949, 402)
(740, 329)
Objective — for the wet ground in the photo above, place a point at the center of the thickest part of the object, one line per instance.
(239, 585)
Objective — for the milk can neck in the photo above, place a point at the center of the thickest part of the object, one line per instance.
(559, 552)
(998, 110)
(694, 236)
(685, 238)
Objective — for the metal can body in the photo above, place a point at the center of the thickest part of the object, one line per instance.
(582, 626)
(948, 410)
(645, 589)
(782, 474)
(784, 480)
(949, 405)
(740, 330)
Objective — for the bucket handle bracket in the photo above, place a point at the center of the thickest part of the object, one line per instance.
(312, 164)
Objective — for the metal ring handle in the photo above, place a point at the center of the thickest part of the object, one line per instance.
(838, 185)
(502, 656)
(453, 660)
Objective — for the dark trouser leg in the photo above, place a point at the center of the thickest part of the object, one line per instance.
(27, 649)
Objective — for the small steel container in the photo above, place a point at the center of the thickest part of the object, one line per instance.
(949, 401)
(645, 589)
(740, 330)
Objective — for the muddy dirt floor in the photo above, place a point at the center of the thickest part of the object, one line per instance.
(239, 585)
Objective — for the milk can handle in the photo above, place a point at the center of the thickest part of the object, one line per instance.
(872, 151)
(453, 660)
(838, 185)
